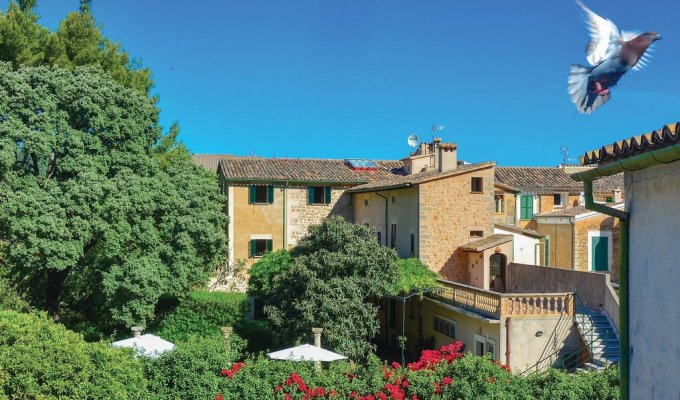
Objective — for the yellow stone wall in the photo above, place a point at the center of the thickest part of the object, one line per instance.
(596, 223)
(448, 212)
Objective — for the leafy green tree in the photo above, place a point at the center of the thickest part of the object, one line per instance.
(44, 360)
(89, 216)
(263, 272)
(77, 42)
(339, 269)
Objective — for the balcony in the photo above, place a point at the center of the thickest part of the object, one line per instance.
(496, 305)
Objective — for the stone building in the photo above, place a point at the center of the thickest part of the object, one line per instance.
(272, 201)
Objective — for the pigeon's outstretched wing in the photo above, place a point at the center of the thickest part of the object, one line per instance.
(605, 37)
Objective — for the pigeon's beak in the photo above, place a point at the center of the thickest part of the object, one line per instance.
(657, 37)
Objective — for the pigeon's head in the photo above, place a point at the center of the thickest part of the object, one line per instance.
(651, 37)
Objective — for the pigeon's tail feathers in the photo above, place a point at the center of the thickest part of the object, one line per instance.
(583, 98)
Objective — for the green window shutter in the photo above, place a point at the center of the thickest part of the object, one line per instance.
(252, 247)
(270, 194)
(270, 244)
(547, 252)
(526, 207)
(251, 194)
(310, 195)
(327, 194)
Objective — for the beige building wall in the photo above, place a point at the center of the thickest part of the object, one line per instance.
(402, 210)
(466, 328)
(560, 233)
(448, 212)
(528, 347)
(509, 213)
(302, 215)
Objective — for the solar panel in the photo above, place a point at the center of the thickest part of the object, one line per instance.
(361, 163)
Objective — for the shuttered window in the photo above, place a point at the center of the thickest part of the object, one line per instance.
(260, 194)
(257, 247)
(319, 195)
(526, 207)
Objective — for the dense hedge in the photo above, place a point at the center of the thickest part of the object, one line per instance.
(43, 360)
(201, 313)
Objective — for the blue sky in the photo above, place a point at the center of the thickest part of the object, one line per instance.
(340, 79)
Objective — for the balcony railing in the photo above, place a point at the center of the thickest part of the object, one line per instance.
(496, 305)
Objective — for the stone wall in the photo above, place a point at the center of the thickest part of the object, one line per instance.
(302, 215)
(597, 223)
(448, 212)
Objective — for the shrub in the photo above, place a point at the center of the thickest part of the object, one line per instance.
(192, 370)
(10, 298)
(201, 313)
(43, 360)
(413, 275)
(262, 273)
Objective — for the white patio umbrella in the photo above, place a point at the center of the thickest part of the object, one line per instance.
(146, 345)
(306, 352)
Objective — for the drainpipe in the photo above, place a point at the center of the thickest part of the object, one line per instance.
(664, 155)
(508, 323)
(386, 218)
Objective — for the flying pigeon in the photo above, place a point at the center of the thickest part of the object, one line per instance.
(611, 53)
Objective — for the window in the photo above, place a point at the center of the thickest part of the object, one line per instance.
(609, 199)
(257, 247)
(365, 202)
(394, 199)
(260, 194)
(526, 207)
(349, 199)
(547, 252)
(484, 345)
(496, 261)
(557, 200)
(393, 237)
(477, 185)
(379, 236)
(319, 194)
(445, 326)
(499, 201)
(477, 234)
(413, 245)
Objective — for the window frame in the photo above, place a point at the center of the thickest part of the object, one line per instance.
(393, 236)
(476, 182)
(496, 198)
(529, 207)
(313, 195)
(253, 194)
(444, 331)
(253, 247)
(476, 234)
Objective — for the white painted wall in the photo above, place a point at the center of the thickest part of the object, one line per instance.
(653, 200)
(524, 247)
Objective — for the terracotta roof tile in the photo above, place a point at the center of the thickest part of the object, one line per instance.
(574, 211)
(304, 170)
(551, 179)
(486, 243)
(667, 136)
(517, 229)
(210, 161)
(414, 179)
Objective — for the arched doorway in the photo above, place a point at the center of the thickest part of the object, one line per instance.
(497, 262)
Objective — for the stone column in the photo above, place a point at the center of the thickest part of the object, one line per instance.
(317, 336)
(136, 331)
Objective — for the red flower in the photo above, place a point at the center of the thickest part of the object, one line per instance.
(396, 365)
(218, 397)
(446, 381)
(414, 397)
(279, 388)
(404, 383)
(288, 397)
(437, 388)
(320, 391)
(381, 396)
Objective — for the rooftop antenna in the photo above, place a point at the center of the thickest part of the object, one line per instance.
(565, 154)
(413, 140)
(436, 128)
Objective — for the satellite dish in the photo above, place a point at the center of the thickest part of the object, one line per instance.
(413, 140)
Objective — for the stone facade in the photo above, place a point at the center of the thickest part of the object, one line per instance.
(302, 215)
(596, 223)
(449, 211)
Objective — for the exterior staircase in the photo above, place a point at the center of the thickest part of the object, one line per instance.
(600, 336)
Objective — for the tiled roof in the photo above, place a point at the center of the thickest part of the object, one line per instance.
(551, 179)
(667, 136)
(210, 161)
(486, 243)
(414, 179)
(517, 229)
(574, 211)
(304, 170)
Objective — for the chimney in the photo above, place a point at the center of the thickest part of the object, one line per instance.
(136, 331)
(317, 336)
(447, 157)
(618, 194)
